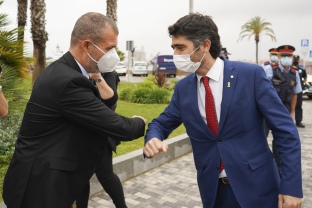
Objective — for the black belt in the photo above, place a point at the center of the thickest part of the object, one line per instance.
(225, 181)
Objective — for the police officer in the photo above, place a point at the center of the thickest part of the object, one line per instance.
(224, 53)
(303, 78)
(273, 58)
(273, 53)
(286, 81)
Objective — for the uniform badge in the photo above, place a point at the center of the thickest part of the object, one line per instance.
(300, 71)
(292, 83)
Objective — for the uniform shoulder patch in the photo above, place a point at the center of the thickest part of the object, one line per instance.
(266, 63)
(293, 70)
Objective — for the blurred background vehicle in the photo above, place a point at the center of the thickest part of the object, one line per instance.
(307, 88)
(164, 64)
(140, 68)
(121, 69)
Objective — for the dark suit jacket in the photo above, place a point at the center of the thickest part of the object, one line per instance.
(248, 98)
(61, 139)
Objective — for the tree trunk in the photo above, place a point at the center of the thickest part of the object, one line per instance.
(111, 9)
(39, 36)
(21, 18)
(257, 43)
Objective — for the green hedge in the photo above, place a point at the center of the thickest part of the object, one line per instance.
(8, 132)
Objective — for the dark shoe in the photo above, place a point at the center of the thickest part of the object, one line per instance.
(300, 125)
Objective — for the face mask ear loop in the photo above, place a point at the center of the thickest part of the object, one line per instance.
(194, 51)
(98, 47)
(202, 58)
(92, 58)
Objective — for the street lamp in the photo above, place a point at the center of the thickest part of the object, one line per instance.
(191, 6)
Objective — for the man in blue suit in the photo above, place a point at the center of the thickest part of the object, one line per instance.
(243, 98)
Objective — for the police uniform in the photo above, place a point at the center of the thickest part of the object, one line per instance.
(286, 83)
(303, 75)
(267, 66)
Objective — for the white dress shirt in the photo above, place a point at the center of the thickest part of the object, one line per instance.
(215, 75)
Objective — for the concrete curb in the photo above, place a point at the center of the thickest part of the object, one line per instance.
(132, 164)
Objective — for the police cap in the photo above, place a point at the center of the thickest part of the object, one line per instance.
(273, 51)
(223, 50)
(296, 57)
(286, 50)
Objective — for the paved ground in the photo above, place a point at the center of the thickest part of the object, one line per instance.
(173, 185)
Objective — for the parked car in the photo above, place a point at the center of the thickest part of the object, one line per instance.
(139, 68)
(121, 69)
(307, 88)
(309, 79)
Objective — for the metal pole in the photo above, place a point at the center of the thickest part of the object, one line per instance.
(191, 6)
(128, 65)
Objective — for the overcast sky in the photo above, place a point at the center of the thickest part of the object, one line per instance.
(146, 22)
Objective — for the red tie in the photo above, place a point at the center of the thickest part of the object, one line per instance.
(211, 115)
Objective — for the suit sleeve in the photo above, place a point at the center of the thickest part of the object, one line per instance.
(284, 132)
(79, 104)
(167, 121)
(112, 81)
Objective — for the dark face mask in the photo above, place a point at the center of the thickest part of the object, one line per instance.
(295, 63)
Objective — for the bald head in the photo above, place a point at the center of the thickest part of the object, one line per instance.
(91, 26)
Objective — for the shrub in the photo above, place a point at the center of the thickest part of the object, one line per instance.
(8, 132)
(146, 95)
(125, 94)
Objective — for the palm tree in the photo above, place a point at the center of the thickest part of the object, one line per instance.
(111, 12)
(13, 62)
(254, 28)
(111, 9)
(39, 35)
(21, 17)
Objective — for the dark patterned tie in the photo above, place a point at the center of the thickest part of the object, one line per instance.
(211, 115)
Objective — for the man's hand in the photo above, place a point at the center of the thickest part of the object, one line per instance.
(140, 118)
(286, 201)
(292, 115)
(153, 147)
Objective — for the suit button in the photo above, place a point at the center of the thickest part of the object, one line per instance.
(219, 141)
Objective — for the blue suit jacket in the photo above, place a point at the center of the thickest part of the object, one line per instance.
(241, 142)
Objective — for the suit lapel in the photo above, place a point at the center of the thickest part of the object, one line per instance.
(229, 82)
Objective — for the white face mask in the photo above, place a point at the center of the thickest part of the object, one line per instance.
(108, 61)
(286, 61)
(273, 58)
(184, 63)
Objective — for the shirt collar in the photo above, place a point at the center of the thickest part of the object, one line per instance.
(215, 71)
(83, 71)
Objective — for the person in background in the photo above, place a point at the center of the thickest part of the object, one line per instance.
(273, 54)
(303, 79)
(4, 107)
(224, 53)
(222, 105)
(65, 125)
(286, 81)
(104, 171)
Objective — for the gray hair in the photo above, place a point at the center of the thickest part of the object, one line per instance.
(91, 26)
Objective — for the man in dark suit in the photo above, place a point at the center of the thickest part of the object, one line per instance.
(235, 166)
(65, 125)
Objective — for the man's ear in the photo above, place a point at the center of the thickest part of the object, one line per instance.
(85, 45)
(207, 45)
